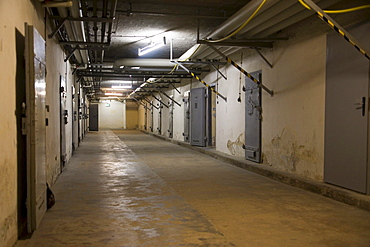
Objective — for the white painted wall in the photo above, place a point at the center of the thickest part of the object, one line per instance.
(112, 115)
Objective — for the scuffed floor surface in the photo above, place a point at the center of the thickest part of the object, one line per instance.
(125, 188)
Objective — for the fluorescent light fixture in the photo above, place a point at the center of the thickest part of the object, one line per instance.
(135, 67)
(151, 47)
(122, 87)
(113, 94)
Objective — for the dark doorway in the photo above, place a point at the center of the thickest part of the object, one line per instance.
(94, 117)
(20, 113)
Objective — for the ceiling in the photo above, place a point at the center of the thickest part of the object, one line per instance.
(102, 37)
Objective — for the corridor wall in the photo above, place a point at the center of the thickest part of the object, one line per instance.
(13, 16)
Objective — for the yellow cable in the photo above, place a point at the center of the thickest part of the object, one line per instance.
(241, 27)
(337, 11)
(346, 10)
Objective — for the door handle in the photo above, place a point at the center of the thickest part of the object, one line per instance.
(362, 106)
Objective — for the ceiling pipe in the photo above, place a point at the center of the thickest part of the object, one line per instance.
(234, 22)
(113, 16)
(56, 4)
(277, 24)
(79, 27)
(270, 14)
(239, 18)
(143, 62)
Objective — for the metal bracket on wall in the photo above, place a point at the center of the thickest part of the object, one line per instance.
(263, 57)
(70, 54)
(214, 66)
(150, 103)
(151, 93)
(175, 88)
(57, 28)
(69, 18)
(141, 103)
(242, 70)
(200, 80)
(160, 90)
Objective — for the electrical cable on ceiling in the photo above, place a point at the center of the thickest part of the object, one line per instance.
(241, 27)
(340, 11)
(322, 14)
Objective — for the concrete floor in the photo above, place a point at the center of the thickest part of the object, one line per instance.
(126, 188)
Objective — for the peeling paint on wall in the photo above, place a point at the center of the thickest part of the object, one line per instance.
(284, 152)
(236, 147)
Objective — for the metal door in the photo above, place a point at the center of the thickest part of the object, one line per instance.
(346, 112)
(145, 117)
(151, 116)
(213, 118)
(186, 117)
(170, 124)
(63, 122)
(94, 117)
(253, 115)
(159, 128)
(198, 117)
(36, 128)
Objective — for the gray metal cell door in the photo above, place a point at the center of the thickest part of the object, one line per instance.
(146, 118)
(198, 117)
(63, 122)
(253, 111)
(94, 117)
(170, 119)
(186, 119)
(151, 117)
(346, 112)
(36, 128)
(160, 112)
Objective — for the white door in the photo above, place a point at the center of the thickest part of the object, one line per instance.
(36, 128)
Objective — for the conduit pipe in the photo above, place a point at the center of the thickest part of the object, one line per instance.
(239, 18)
(79, 27)
(283, 19)
(143, 62)
(235, 21)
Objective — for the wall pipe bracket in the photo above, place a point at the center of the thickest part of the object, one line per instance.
(242, 70)
(177, 103)
(200, 80)
(151, 93)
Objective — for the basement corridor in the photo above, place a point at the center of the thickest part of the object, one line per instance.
(126, 188)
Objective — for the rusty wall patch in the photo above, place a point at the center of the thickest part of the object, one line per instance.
(286, 153)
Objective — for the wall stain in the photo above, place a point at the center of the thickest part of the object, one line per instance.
(8, 227)
(236, 147)
(284, 152)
